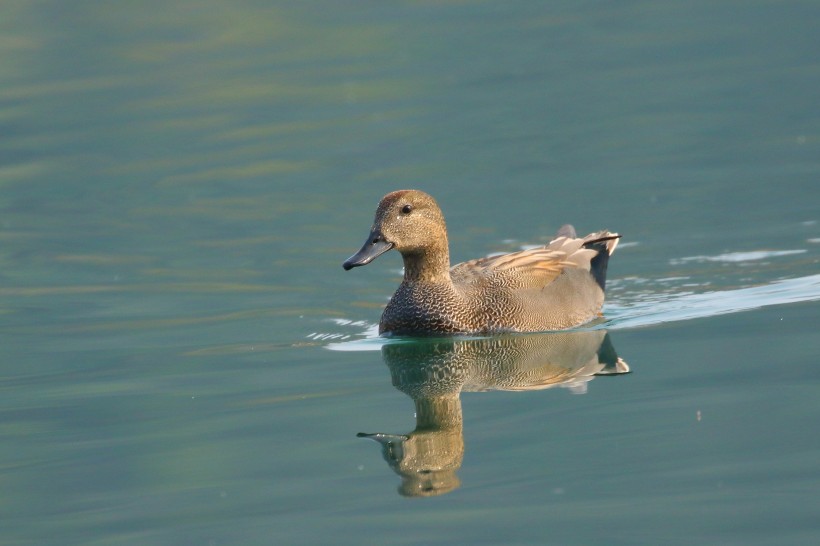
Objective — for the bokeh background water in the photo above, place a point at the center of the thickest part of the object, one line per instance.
(180, 182)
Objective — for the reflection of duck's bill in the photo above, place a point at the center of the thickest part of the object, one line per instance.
(618, 367)
(392, 445)
(383, 438)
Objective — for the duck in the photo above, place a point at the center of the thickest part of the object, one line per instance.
(556, 286)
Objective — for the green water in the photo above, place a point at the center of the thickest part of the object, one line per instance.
(184, 361)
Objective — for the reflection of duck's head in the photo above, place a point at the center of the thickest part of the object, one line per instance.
(433, 372)
(428, 457)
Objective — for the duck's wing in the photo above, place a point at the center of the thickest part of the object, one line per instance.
(537, 267)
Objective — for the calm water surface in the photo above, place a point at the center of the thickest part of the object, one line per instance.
(183, 360)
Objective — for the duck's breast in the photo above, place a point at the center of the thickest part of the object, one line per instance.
(426, 309)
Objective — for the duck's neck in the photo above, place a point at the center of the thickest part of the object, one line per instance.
(431, 264)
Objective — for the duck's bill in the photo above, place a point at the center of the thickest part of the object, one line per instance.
(374, 247)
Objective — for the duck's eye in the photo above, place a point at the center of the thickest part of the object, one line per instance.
(407, 209)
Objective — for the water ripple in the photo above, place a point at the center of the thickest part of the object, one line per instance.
(735, 257)
(654, 309)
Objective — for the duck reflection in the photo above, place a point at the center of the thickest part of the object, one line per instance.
(434, 373)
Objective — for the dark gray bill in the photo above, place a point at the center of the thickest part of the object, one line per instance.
(374, 247)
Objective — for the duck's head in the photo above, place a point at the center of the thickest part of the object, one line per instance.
(409, 221)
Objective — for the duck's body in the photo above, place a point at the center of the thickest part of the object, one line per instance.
(553, 287)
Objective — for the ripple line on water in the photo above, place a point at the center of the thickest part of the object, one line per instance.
(666, 307)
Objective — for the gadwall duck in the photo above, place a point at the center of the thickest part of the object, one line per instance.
(552, 287)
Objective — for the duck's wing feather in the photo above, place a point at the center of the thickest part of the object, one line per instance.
(537, 267)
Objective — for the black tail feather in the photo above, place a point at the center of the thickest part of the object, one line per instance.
(599, 263)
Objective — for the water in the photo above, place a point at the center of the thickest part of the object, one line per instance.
(183, 360)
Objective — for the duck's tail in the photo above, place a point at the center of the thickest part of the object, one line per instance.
(604, 242)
